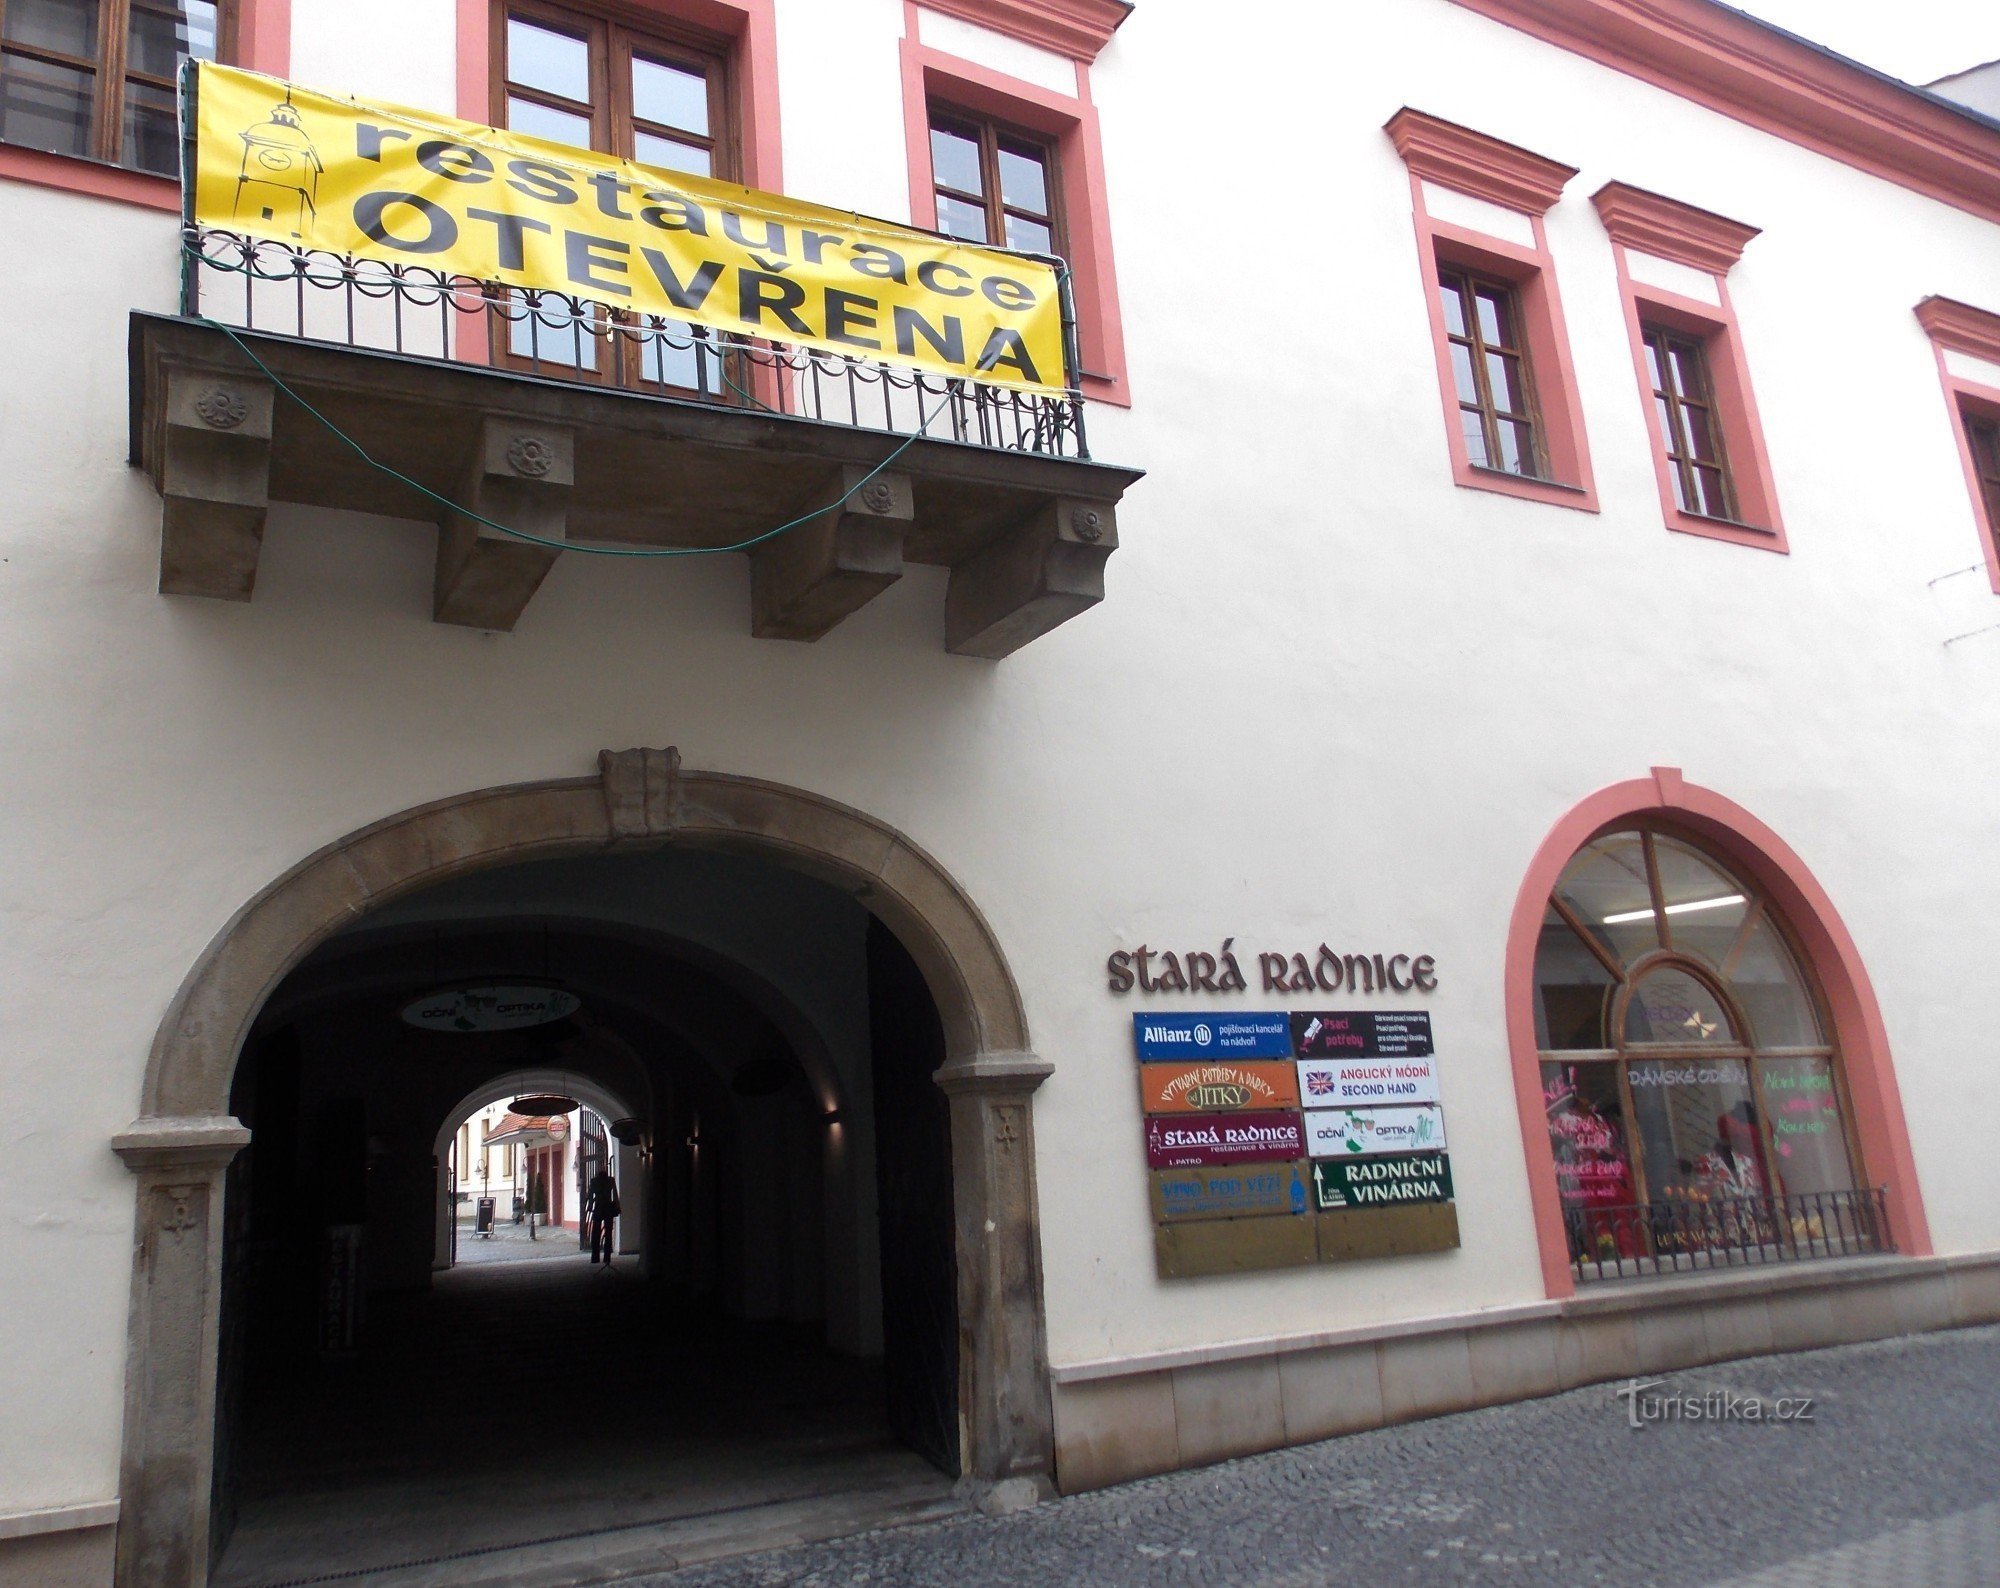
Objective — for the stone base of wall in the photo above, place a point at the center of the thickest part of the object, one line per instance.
(1135, 1417)
(72, 1548)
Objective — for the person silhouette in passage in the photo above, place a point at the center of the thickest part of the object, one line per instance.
(600, 1207)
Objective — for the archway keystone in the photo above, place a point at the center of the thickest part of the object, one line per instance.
(182, 1144)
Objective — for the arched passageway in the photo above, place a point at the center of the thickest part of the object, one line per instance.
(778, 1185)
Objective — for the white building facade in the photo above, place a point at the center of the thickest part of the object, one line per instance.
(1534, 451)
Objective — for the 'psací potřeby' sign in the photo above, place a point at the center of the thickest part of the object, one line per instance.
(1357, 1132)
(1362, 1034)
(406, 187)
(1255, 1036)
(1202, 1141)
(1391, 1181)
(1366, 1083)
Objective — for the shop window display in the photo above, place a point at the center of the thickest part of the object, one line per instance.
(1695, 1106)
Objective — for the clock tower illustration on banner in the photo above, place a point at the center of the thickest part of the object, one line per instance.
(281, 169)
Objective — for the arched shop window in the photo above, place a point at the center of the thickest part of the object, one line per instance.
(1695, 1101)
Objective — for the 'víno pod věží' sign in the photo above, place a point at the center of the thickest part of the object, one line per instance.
(405, 187)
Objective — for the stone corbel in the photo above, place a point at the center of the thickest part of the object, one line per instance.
(1029, 580)
(214, 474)
(521, 476)
(809, 578)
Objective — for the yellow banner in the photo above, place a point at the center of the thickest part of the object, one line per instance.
(405, 187)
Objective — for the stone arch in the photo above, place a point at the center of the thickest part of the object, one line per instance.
(184, 1138)
(1833, 960)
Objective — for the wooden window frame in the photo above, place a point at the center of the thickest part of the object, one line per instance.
(1672, 407)
(990, 133)
(109, 66)
(1478, 205)
(1467, 283)
(612, 36)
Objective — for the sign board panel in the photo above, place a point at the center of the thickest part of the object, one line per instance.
(1218, 1088)
(499, 1008)
(1356, 1132)
(1229, 1193)
(1367, 1083)
(1212, 1036)
(1202, 1141)
(1348, 1234)
(1238, 1246)
(1363, 1034)
(1391, 1181)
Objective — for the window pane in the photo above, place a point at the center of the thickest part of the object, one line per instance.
(678, 362)
(151, 139)
(1698, 1127)
(1461, 370)
(1653, 369)
(67, 26)
(1700, 434)
(650, 149)
(1672, 1006)
(1475, 438)
(554, 331)
(955, 161)
(1454, 307)
(673, 96)
(1503, 379)
(1570, 987)
(554, 62)
(1517, 447)
(1492, 317)
(1023, 181)
(1030, 235)
(1605, 887)
(1663, 413)
(1767, 983)
(1714, 497)
(43, 106)
(161, 35)
(1683, 499)
(956, 218)
(558, 126)
(1705, 907)
(1806, 1133)
(1687, 369)
(1593, 1161)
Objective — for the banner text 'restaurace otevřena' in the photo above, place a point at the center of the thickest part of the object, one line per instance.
(402, 186)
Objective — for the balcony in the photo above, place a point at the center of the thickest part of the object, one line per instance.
(526, 425)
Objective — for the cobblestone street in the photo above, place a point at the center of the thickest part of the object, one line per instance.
(1892, 1482)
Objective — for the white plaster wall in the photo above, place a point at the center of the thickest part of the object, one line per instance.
(1330, 696)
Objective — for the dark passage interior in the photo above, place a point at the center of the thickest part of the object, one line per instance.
(774, 1350)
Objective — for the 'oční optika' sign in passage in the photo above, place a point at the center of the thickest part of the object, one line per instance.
(405, 187)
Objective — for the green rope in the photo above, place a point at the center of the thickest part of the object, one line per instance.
(563, 545)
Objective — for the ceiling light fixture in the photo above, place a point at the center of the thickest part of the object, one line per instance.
(1688, 908)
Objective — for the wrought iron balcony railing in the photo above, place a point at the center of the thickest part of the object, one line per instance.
(1681, 1234)
(259, 285)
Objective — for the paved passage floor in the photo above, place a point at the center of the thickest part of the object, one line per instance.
(1893, 1483)
(548, 1421)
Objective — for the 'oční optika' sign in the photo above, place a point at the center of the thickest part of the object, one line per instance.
(405, 187)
